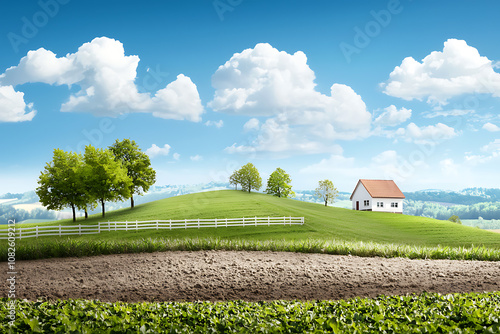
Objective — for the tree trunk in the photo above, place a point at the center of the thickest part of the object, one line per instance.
(249, 189)
(326, 202)
(103, 211)
(86, 214)
(132, 201)
(74, 213)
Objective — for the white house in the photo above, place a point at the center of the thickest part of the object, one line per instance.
(377, 195)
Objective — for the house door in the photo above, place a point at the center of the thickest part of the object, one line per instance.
(357, 205)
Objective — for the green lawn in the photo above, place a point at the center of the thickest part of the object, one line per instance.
(322, 223)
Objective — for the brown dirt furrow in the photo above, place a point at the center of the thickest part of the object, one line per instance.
(252, 276)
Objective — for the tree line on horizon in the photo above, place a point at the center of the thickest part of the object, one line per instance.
(278, 184)
(83, 181)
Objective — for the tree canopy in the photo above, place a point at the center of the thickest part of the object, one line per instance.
(235, 178)
(278, 184)
(60, 184)
(137, 164)
(326, 191)
(455, 219)
(107, 178)
(249, 177)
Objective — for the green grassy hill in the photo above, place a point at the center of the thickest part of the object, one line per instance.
(322, 222)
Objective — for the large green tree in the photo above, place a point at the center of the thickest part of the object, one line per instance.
(107, 178)
(278, 184)
(138, 166)
(249, 177)
(326, 191)
(60, 183)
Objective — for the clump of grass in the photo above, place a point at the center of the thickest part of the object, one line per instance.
(78, 248)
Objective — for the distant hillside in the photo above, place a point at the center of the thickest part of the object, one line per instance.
(467, 196)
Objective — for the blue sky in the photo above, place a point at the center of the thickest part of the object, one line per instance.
(403, 90)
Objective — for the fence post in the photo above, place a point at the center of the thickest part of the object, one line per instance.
(198, 222)
(157, 225)
(268, 221)
(60, 230)
(284, 221)
(79, 229)
(20, 232)
(99, 227)
(243, 221)
(215, 222)
(226, 222)
(170, 224)
(136, 226)
(36, 231)
(255, 220)
(185, 224)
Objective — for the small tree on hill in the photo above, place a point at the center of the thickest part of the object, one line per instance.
(326, 191)
(138, 166)
(278, 184)
(455, 219)
(235, 179)
(107, 178)
(249, 177)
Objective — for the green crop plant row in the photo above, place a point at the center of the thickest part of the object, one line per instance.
(425, 313)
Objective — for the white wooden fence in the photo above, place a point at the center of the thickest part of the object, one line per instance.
(39, 231)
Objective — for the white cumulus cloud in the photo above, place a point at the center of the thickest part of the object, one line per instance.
(218, 124)
(106, 78)
(392, 116)
(430, 134)
(491, 152)
(13, 108)
(155, 150)
(196, 158)
(252, 124)
(176, 156)
(264, 81)
(458, 69)
(494, 147)
(491, 127)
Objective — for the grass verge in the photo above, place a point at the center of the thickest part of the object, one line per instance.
(425, 313)
(41, 249)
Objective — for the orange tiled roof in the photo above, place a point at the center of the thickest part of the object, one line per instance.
(381, 188)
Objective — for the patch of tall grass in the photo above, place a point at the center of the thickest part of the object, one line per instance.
(41, 249)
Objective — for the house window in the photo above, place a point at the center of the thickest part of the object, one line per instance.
(367, 203)
(380, 204)
(394, 204)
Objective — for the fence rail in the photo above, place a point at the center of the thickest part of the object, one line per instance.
(40, 231)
